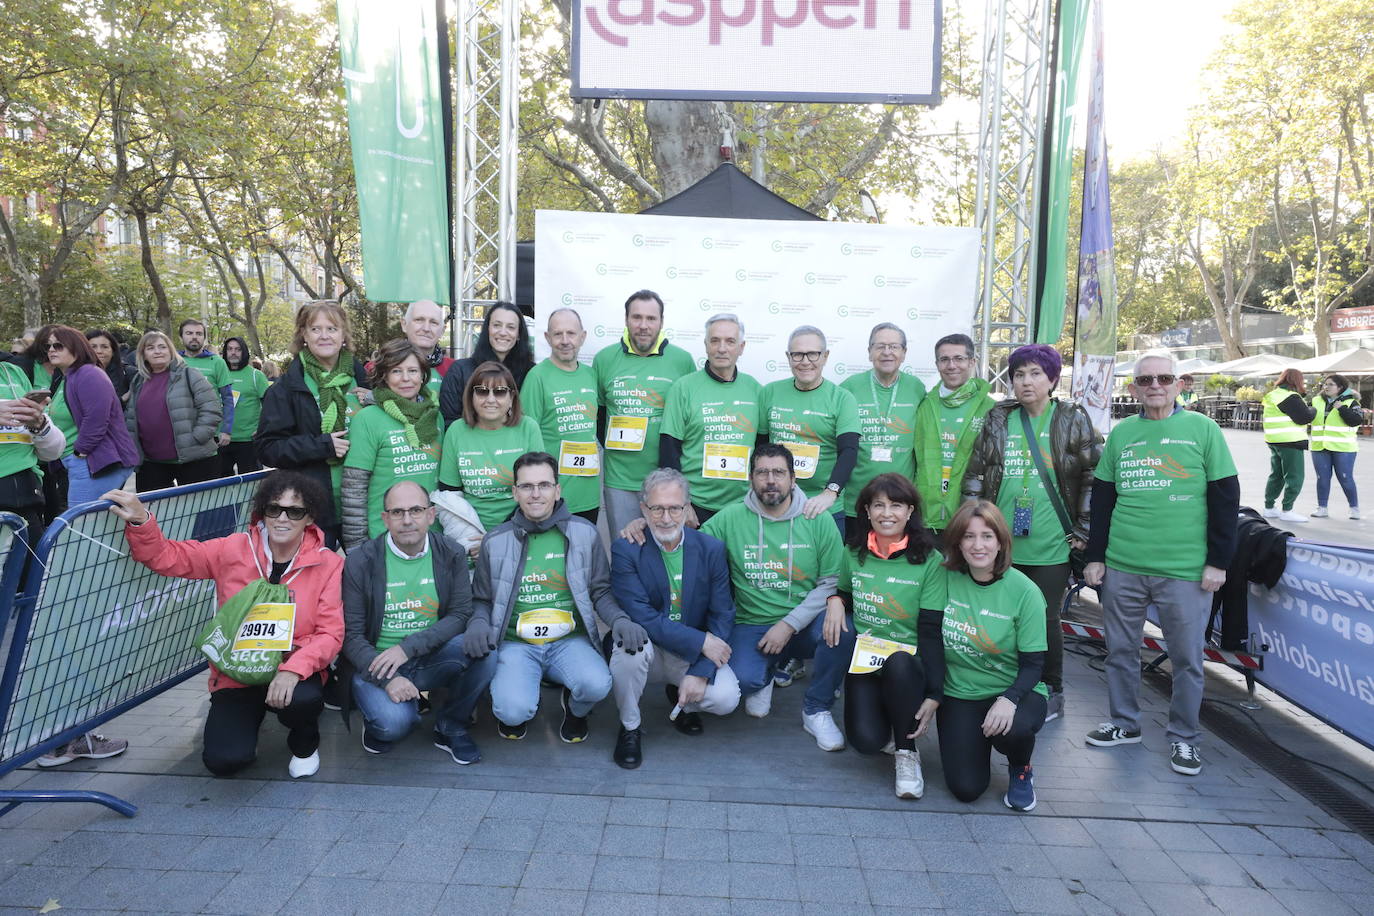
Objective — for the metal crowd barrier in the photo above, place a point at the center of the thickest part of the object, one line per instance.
(96, 634)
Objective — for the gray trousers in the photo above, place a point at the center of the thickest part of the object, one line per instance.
(629, 674)
(1183, 609)
(622, 507)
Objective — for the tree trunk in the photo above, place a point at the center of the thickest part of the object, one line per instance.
(686, 139)
(145, 247)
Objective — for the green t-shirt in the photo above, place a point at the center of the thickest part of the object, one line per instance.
(672, 565)
(1161, 469)
(41, 378)
(61, 417)
(704, 412)
(1045, 545)
(212, 367)
(952, 424)
(766, 587)
(887, 418)
(249, 386)
(479, 462)
(16, 442)
(633, 390)
(563, 403)
(889, 594)
(412, 599)
(377, 443)
(985, 629)
(810, 423)
(544, 585)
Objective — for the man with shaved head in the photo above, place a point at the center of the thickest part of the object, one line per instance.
(560, 394)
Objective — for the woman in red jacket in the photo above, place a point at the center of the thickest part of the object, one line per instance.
(282, 545)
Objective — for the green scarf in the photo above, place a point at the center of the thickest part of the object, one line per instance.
(333, 385)
(956, 399)
(419, 418)
(939, 507)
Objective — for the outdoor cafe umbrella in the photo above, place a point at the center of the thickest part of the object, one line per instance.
(1254, 366)
(1359, 361)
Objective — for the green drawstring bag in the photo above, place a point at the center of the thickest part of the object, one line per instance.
(250, 632)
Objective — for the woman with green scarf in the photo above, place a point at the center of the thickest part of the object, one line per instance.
(305, 415)
(397, 438)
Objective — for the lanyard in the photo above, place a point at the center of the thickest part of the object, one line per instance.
(1037, 429)
(873, 387)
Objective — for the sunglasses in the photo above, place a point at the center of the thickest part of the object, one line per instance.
(1145, 381)
(56, 346)
(482, 391)
(295, 513)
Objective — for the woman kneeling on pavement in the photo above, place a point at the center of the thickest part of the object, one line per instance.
(892, 583)
(283, 546)
(994, 634)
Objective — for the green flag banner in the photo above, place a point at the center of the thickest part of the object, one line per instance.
(395, 120)
(1073, 19)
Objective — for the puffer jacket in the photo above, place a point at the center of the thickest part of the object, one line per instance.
(1074, 446)
(194, 406)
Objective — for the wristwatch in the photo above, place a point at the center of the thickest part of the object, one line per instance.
(833, 488)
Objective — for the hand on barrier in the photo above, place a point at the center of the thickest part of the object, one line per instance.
(387, 663)
(629, 635)
(127, 506)
(1093, 573)
(478, 639)
(716, 649)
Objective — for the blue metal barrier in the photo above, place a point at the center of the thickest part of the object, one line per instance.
(96, 634)
(14, 549)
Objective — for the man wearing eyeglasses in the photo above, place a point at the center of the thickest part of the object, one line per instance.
(1166, 469)
(816, 419)
(540, 584)
(887, 399)
(948, 422)
(677, 586)
(406, 604)
(783, 567)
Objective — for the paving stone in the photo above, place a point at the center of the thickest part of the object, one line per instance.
(120, 888)
(1328, 903)
(626, 875)
(423, 863)
(1273, 872)
(545, 902)
(768, 882)
(1252, 901)
(877, 823)
(966, 858)
(510, 806)
(1018, 859)
(1242, 840)
(760, 846)
(1118, 834)
(1343, 875)
(684, 813)
(931, 825)
(303, 855)
(559, 871)
(34, 885)
(886, 853)
(1355, 846)
(761, 817)
(693, 879)
(899, 887)
(837, 850)
(476, 900)
(356, 859)
(582, 809)
(1058, 831)
(317, 824)
(698, 906)
(837, 886)
(970, 892)
(812, 820)
(1107, 898)
(568, 836)
(1299, 842)
(694, 845)
(1146, 865)
(513, 836)
(89, 848)
(1173, 899)
(251, 895)
(1083, 863)
(639, 812)
(1215, 868)
(1038, 895)
(622, 904)
(491, 868)
(402, 898)
(620, 840)
(1179, 837)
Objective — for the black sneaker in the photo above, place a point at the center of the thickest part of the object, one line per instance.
(1109, 734)
(375, 745)
(1020, 789)
(511, 732)
(628, 753)
(689, 723)
(574, 728)
(460, 747)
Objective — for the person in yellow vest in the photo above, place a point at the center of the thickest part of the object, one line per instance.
(1286, 416)
(1187, 397)
(1337, 421)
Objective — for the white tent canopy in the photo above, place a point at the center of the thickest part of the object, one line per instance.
(1359, 361)
(1254, 366)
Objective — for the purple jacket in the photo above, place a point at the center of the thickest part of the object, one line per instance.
(101, 434)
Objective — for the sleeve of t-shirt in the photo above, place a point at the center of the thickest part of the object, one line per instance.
(716, 529)
(363, 442)
(599, 367)
(845, 585)
(262, 383)
(935, 584)
(674, 416)
(1030, 619)
(846, 413)
(765, 410)
(1106, 465)
(448, 458)
(532, 398)
(1217, 460)
(534, 438)
(830, 549)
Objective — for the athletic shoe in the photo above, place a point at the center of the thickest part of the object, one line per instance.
(1320, 512)
(760, 703)
(628, 754)
(1109, 735)
(1055, 706)
(90, 745)
(304, 766)
(460, 747)
(1288, 515)
(910, 782)
(511, 732)
(1271, 511)
(821, 725)
(375, 745)
(574, 728)
(1020, 789)
(784, 676)
(1184, 759)
(890, 748)
(1355, 512)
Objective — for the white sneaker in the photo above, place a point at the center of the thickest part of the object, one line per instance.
(760, 703)
(821, 725)
(910, 782)
(890, 748)
(1271, 511)
(1288, 515)
(1355, 512)
(1320, 512)
(304, 766)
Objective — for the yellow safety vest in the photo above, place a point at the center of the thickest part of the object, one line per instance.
(1278, 427)
(1329, 432)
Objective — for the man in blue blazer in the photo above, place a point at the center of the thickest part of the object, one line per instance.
(676, 585)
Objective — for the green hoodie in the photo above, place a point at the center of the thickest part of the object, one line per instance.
(963, 410)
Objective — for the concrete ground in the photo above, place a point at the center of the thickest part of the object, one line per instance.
(749, 817)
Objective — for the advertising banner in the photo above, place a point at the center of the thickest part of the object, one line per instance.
(1319, 626)
(1360, 318)
(775, 274)
(787, 50)
(395, 123)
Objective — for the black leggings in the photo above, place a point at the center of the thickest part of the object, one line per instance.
(966, 755)
(159, 475)
(236, 713)
(589, 514)
(882, 706)
(243, 455)
(1052, 581)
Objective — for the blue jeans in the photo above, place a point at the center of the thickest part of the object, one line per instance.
(754, 669)
(82, 487)
(448, 667)
(1343, 463)
(571, 661)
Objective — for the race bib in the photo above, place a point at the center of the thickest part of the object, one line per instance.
(578, 459)
(725, 462)
(944, 478)
(543, 625)
(627, 433)
(882, 453)
(266, 627)
(870, 653)
(13, 435)
(236, 396)
(805, 457)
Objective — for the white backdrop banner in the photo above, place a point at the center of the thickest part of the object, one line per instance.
(775, 274)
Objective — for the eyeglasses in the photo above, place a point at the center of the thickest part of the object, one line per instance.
(413, 512)
(888, 348)
(483, 391)
(1146, 381)
(953, 360)
(805, 356)
(542, 486)
(275, 510)
(55, 345)
(660, 511)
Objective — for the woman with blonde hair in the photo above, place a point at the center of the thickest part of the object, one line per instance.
(174, 414)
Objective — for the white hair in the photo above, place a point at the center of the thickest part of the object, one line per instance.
(410, 309)
(725, 316)
(1157, 354)
(807, 329)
